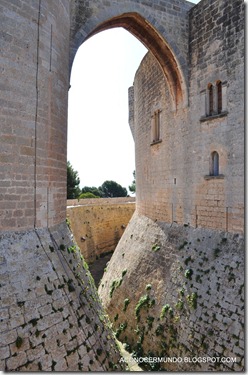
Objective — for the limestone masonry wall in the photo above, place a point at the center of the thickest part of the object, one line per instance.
(177, 291)
(51, 316)
(99, 225)
(216, 49)
(175, 284)
(34, 85)
(96, 201)
(174, 177)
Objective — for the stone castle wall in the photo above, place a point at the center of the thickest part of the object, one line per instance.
(174, 291)
(51, 315)
(34, 70)
(96, 202)
(217, 53)
(175, 284)
(173, 175)
(98, 225)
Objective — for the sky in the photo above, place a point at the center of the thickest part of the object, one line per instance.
(100, 143)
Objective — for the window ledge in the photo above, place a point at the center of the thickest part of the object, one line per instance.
(212, 117)
(219, 177)
(156, 142)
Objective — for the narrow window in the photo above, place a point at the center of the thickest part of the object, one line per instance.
(219, 96)
(214, 171)
(156, 123)
(211, 99)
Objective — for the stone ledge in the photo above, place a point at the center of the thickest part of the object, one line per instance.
(219, 177)
(156, 142)
(213, 117)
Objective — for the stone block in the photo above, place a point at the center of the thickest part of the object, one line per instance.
(35, 353)
(49, 321)
(4, 352)
(72, 361)
(8, 337)
(16, 362)
(61, 365)
(16, 321)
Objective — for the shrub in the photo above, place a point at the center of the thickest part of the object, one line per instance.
(87, 196)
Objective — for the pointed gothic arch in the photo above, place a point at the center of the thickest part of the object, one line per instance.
(170, 59)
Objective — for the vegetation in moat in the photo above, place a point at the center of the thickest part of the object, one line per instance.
(167, 325)
(116, 283)
(150, 319)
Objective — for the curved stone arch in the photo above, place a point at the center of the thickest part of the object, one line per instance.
(140, 23)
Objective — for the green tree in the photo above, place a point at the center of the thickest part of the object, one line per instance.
(112, 189)
(132, 187)
(94, 190)
(73, 181)
(88, 195)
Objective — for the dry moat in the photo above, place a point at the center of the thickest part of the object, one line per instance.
(97, 268)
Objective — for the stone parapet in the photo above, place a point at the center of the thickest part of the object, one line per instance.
(99, 201)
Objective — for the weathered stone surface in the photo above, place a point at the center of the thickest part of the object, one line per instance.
(46, 291)
(173, 178)
(174, 269)
(51, 336)
(98, 224)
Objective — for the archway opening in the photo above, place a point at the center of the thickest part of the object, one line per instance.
(100, 143)
(150, 37)
(171, 61)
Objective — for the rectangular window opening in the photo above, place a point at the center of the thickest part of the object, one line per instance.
(156, 127)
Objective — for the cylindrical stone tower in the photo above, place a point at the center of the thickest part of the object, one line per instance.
(34, 64)
(51, 316)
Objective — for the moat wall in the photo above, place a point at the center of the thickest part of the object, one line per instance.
(178, 291)
(98, 224)
(51, 316)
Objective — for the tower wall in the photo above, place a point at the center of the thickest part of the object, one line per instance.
(34, 63)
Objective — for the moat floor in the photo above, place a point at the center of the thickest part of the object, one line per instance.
(97, 268)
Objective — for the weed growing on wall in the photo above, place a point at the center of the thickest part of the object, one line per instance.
(155, 247)
(143, 302)
(19, 342)
(126, 303)
(116, 283)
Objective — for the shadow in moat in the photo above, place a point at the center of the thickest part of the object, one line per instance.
(97, 268)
